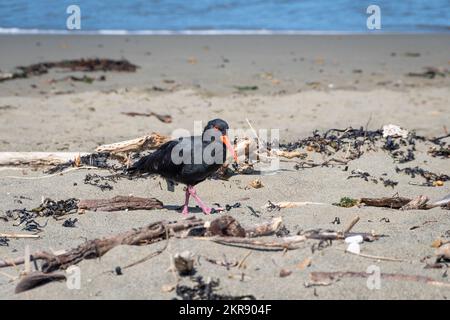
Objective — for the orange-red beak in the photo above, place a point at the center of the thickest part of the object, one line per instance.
(226, 141)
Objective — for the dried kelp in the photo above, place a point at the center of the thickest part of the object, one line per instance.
(84, 65)
(353, 143)
(206, 290)
(102, 182)
(432, 179)
(367, 177)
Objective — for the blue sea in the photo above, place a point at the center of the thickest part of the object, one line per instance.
(224, 16)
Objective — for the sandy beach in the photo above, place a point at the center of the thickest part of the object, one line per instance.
(296, 84)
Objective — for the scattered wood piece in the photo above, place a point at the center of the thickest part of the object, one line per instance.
(119, 203)
(352, 223)
(161, 117)
(225, 226)
(265, 229)
(289, 154)
(151, 233)
(36, 279)
(289, 204)
(36, 159)
(18, 235)
(287, 243)
(285, 272)
(387, 202)
(418, 203)
(328, 278)
(148, 142)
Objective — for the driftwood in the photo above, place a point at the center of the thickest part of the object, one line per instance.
(328, 278)
(119, 203)
(419, 202)
(96, 248)
(36, 279)
(18, 235)
(37, 158)
(148, 142)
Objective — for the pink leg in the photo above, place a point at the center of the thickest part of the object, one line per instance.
(205, 209)
(186, 203)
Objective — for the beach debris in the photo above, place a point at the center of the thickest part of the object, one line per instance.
(265, 229)
(432, 179)
(420, 202)
(83, 65)
(328, 278)
(48, 208)
(70, 223)
(147, 142)
(392, 130)
(223, 263)
(256, 184)
(346, 202)
(96, 248)
(119, 203)
(353, 243)
(18, 235)
(443, 152)
(36, 279)
(99, 181)
(98, 160)
(430, 73)
(206, 290)
(225, 226)
(184, 263)
(4, 242)
(271, 206)
(443, 252)
(161, 117)
(285, 273)
(246, 88)
(36, 159)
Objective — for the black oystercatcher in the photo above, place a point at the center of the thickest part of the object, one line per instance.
(189, 160)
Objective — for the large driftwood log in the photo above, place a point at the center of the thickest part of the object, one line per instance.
(148, 142)
(37, 158)
(98, 247)
(119, 203)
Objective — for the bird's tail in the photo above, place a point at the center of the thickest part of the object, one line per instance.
(139, 167)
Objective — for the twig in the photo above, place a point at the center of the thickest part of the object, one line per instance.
(351, 224)
(18, 235)
(241, 263)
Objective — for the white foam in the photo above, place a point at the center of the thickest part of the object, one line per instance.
(187, 32)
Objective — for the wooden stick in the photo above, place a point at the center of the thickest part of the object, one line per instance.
(37, 158)
(148, 142)
(119, 203)
(351, 224)
(18, 235)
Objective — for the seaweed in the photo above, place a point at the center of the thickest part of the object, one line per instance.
(346, 202)
(99, 181)
(206, 290)
(432, 179)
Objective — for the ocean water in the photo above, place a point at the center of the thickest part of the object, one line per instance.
(224, 16)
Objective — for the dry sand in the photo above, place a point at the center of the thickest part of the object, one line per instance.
(304, 83)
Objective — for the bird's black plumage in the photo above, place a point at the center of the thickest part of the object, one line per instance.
(193, 168)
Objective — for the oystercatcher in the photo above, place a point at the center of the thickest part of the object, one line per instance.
(189, 160)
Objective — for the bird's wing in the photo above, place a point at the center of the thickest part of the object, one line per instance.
(159, 161)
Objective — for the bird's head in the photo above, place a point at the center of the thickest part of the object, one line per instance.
(222, 127)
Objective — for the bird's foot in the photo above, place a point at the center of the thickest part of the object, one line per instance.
(185, 211)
